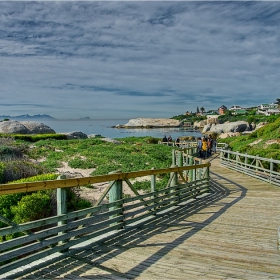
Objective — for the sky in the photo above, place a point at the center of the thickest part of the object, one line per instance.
(137, 59)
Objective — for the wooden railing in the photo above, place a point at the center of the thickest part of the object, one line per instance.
(261, 168)
(44, 237)
(181, 144)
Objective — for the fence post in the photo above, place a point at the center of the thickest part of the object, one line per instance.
(180, 159)
(246, 160)
(190, 172)
(199, 170)
(173, 157)
(174, 182)
(115, 194)
(271, 169)
(61, 203)
(257, 163)
(61, 199)
(153, 187)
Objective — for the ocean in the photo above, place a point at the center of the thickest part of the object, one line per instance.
(104, 128)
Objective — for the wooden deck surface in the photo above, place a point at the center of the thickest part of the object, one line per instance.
(229, 234)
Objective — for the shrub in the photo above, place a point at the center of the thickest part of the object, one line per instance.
(34, 137)
(18, 169)
(32, 207)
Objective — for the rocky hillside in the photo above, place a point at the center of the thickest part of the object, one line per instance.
(150, 123)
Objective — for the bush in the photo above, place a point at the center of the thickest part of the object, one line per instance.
(18, 169)
(34, 137)
(32, 207)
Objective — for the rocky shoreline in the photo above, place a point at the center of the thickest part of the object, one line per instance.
(206, 127)
(150, 123)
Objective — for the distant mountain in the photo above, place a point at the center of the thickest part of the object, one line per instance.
(28, 117)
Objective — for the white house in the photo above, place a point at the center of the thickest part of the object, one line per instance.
(235, 107)
(268, 109)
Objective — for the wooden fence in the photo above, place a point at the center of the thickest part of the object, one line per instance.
(24, 243)
(264, 169)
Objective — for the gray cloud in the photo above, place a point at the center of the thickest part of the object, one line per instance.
(131, 59)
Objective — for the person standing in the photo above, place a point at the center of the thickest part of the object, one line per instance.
(169, 139)
(177, 141)
(204, 147)
(209, 145)
(214, 145)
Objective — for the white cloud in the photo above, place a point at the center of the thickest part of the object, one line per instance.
(131, 59)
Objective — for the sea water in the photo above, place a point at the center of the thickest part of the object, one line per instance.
(105, 127)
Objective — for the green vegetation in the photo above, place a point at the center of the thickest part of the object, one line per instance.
(17, 166)
(191, 118)
(249, 117)
(264, 142)
(25, 207)
(18, 155)
(33, 137)
(132, 154)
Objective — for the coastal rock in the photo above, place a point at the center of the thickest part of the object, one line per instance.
(24, 127)
(94, 135)
(239, 126)
(37, 127)
(200, 124)
(110, 140)
(151, 123)
(13, 127)
(75, 135)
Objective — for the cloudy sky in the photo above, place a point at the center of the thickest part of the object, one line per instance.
(137, 59)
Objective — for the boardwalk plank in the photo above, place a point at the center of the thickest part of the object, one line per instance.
(229, 234)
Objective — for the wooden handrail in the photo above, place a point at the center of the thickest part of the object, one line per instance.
(66, 183)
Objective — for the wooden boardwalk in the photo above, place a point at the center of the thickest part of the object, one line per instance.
(229, 234)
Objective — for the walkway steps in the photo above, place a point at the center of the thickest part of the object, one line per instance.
(229, 234)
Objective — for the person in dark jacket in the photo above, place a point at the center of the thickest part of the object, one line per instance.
(177, 141)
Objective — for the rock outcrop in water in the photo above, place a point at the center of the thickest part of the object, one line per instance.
(150, 123)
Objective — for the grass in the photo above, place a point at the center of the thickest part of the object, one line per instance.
(264, 142)
(134, 153)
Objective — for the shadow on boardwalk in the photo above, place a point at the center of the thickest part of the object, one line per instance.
(93, 261)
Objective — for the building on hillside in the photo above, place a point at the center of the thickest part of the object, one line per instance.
(235, 107)
(268, 109)
(222, 110)
(239, 112)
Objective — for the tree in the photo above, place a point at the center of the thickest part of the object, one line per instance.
(197, 110)
(202, 110)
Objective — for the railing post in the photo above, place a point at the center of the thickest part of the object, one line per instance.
(61, 200)
(190, 172)
(61, 203)
(257, 163)
(153, 186)
(271, 170)
(173, 157)
(246, 160)
(199, 170)
(115, 194)
(180, 159)
(174, 182)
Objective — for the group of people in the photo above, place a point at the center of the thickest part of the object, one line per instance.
(206, 146)
(169, 140)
